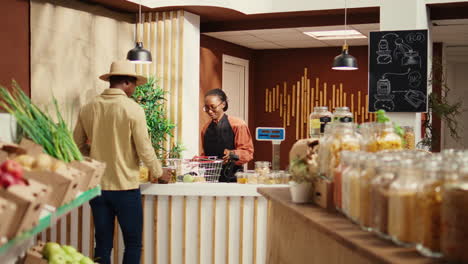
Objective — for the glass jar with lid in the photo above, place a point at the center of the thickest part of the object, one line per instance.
(324, 150)
(369, 132)
(354, 193)
(318, 120)
(342, 114)
(349, 173)
(402, 204)
(455, 218)
(262, 168)
(430, 201)
(408, 136)
(387, 138)
(337, 179)
(345, 137)
(368, 173)
(385, 174)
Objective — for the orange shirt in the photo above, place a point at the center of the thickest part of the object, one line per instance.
(242, 139)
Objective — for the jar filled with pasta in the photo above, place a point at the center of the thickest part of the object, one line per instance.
(337, 179)
(345, 137)
(324, 154)
(262, 168)
(368, 173)
(387, 139)
(369, 132)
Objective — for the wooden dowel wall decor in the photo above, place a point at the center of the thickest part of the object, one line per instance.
(352, 103)
(270, 106)
(362, 115)
(285, 92)
(298, 114)
(312, 100)
(266, 100)
(274, 99)
(344, 99)
(325, 94)
(359, 103)
(289, 110)
(317, 86)
(284, 117)
(277, 97)
(281, 105)
(293, 100)
(367, 106)
(302, 107)
(308, 100)
(321, 98)
(341, 94)
(333, 105)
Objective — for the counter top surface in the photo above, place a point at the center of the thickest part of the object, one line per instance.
(345, 232)
(205, 189)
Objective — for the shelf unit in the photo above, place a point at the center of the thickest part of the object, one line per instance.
(18, 246)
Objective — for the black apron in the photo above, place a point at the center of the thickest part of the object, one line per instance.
(218, 137)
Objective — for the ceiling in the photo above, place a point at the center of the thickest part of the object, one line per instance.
(286, 38)
(452, 32)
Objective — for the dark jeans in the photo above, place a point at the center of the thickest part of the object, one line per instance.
(126, 205)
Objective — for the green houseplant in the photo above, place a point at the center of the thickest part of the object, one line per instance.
(152, 98)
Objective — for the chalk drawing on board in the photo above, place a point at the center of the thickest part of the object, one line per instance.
(384, 97)
(414, 79)
(406, 54)
(415, 98)
(384, 53)
(415, 37)
(387, 105)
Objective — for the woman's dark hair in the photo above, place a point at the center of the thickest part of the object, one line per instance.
(221, 95)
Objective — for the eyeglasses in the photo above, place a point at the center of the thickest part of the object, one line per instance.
(211, 108)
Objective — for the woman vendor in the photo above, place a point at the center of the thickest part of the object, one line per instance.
(226, 137)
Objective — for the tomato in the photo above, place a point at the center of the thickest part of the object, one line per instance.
(7, 180)
(12, 167)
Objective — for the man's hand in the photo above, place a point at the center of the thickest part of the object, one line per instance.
(164, 178)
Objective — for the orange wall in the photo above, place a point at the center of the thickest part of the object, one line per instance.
(14, 45)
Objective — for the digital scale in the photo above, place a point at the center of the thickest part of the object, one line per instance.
(275, 135)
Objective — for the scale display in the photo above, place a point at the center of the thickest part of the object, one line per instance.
(270, 134)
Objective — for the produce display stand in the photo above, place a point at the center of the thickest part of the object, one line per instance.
(20, 244)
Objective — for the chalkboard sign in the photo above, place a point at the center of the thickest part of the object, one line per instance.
(398, 71)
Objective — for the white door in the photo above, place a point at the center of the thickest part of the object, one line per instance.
(235, 85)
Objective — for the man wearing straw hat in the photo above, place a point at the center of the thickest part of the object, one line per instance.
(116, 128)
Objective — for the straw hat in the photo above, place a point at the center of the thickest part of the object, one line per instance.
(124, 68)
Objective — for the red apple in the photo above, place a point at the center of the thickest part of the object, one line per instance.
(12, 167)
(6, 180)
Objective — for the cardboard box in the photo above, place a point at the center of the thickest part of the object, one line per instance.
(63, 186)
(34, 254)
(93, 168)
(31, 148)
(29, 201)
(323, 193)
(7, 212)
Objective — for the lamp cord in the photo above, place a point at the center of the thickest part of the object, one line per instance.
(345, 20)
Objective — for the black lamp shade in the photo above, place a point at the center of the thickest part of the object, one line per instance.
(344, 61)
(139, 54)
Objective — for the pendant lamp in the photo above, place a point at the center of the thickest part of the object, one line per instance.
(345, 61)
(139, 54)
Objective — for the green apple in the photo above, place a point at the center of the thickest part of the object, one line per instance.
(86, 260)
(69, 249)
(50, 249)
(188, 178)
(57, 259)
(77, 256)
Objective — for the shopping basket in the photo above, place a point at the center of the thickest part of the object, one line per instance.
(201, 168)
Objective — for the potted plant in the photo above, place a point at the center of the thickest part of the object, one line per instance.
(160, 128)
(304, 169)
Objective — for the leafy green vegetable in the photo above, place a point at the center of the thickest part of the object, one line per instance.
(55, 138)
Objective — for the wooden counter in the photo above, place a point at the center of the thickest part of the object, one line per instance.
(308, 234)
